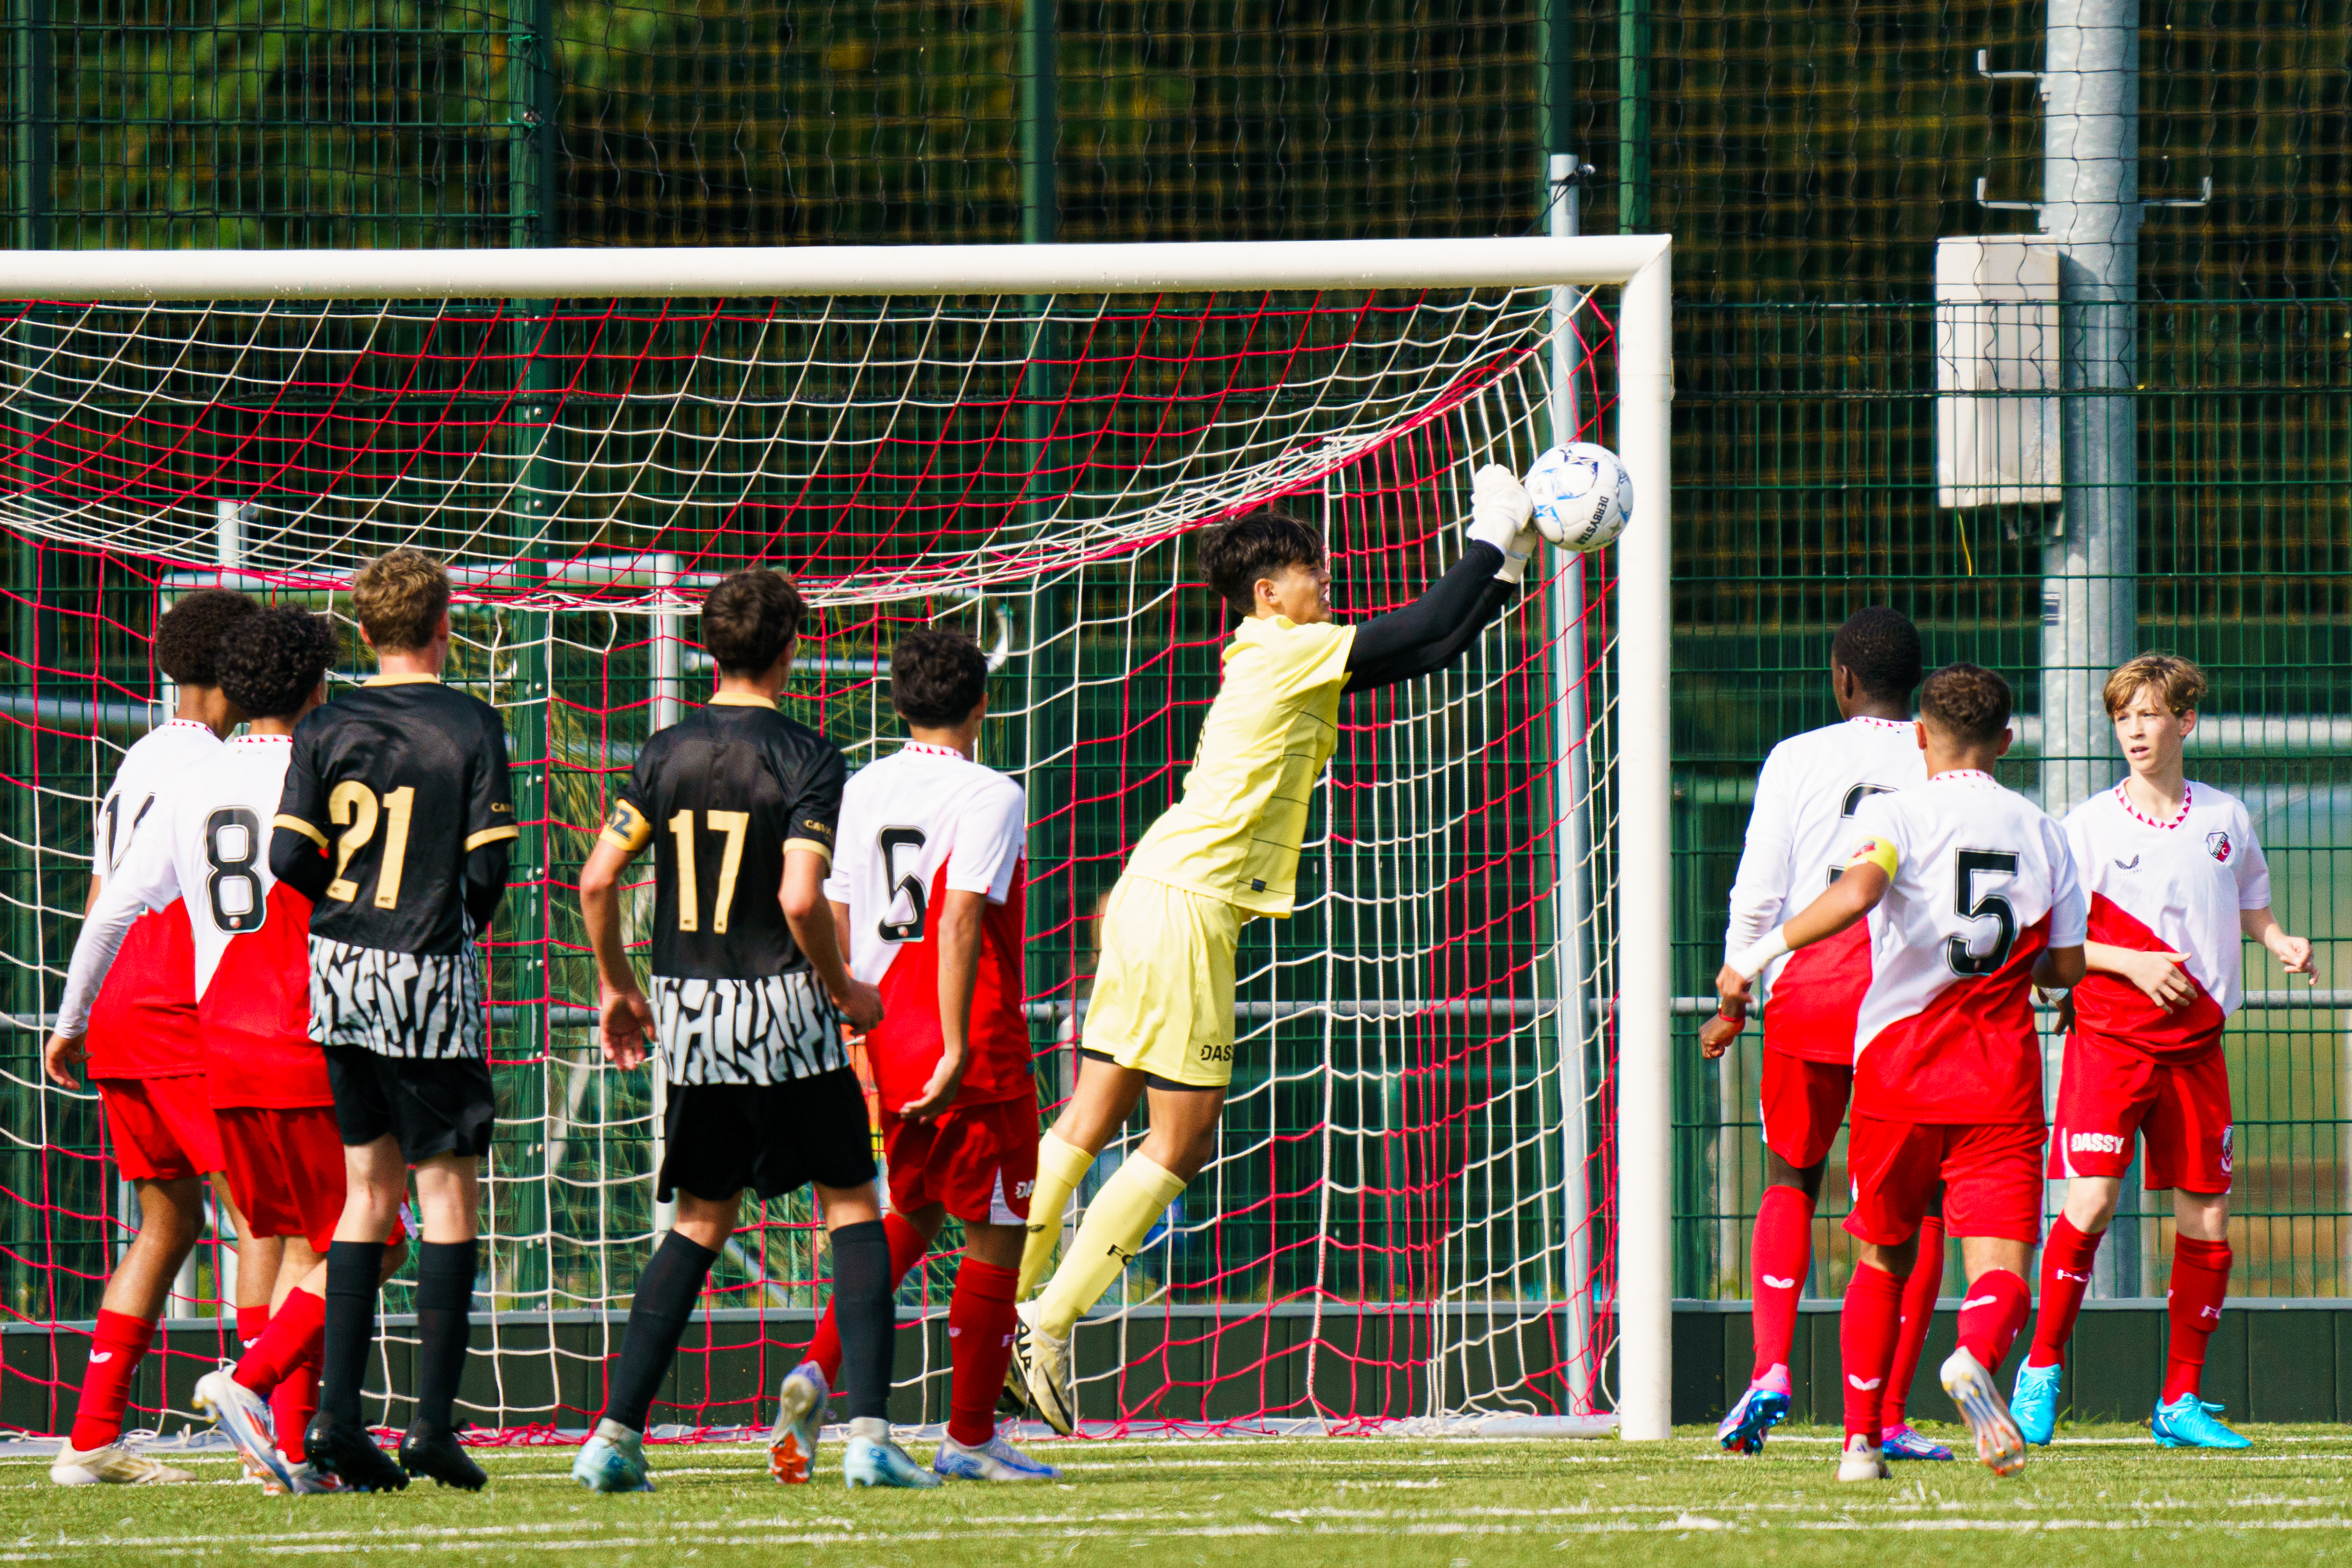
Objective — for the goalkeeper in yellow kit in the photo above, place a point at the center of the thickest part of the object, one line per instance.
(1161, 1019)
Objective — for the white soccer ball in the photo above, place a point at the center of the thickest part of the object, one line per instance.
(1582, 495)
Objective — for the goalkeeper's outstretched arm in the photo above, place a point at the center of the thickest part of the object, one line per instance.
(1430, 633)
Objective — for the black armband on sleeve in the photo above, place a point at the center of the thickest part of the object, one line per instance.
(485, 881)
(1433, 631)
(299, 863)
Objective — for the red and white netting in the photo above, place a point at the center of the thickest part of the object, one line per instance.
(1407, 1215)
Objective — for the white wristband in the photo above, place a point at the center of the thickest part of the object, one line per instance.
(1763, 950)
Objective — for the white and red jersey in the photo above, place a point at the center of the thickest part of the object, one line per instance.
(1981, 882)
(205, 846)
(143, 1025)
(1798, 832)
(915, 826)
(2168, 887)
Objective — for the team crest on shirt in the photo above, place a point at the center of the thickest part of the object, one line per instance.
(2217, 844)
(2130, 865)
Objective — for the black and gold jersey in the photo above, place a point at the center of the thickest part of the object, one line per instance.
(721, 795)
(398, 782)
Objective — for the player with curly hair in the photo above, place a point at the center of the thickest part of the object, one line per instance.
(1972, 900)
(137, 1039)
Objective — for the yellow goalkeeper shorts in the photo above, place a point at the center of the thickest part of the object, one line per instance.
(1163, 997)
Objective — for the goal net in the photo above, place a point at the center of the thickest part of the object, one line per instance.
(1410, 1216)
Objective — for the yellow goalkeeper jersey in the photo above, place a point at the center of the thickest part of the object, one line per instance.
(1235, 834)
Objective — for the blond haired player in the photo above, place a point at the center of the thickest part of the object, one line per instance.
(1160, 1024)
(1972, 900)
(2176, 878)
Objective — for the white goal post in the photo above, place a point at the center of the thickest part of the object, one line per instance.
(1637, 266)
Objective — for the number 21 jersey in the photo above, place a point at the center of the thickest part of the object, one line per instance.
(398, 782)
(1981, 882)
(722, 795)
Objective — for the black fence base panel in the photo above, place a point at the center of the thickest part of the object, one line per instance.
(2267, 1361)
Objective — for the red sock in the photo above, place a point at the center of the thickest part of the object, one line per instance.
(1918, 1316)
(906, 1249)
(1781, 1257)
(115, 1347)
(2201, 1278)
(295, 1335)
(2065, 1275)
(250, 1323)
(979, 1346)
(1991, 1313)
(1867, 1334)
(293, 1404)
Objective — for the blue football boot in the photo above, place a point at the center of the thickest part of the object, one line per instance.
(1763, 1406)
(2035, 1403)
(1899, 1442)
(612, 1460)
(995, 1461)
(2187, 1423)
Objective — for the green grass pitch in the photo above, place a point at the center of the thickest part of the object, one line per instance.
(2101, 1495)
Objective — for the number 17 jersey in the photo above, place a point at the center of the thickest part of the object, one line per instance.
(722, 797)
(1981, 882)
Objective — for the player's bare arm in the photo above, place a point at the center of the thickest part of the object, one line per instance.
(2293, 952)
(1849, 899)
(2157, 976)
(810, 915)
(958, 932)
(627, 1018)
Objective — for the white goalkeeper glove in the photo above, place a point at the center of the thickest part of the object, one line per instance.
(1502, 515)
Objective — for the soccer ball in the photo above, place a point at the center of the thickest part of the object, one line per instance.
(1582, 495)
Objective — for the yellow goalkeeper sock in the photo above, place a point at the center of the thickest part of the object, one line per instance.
(1060, 1168)
(1122, 1214)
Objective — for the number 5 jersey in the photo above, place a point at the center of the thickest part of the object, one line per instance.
(915, 826)
(206, 846)
(1981, 883)
(722, 795)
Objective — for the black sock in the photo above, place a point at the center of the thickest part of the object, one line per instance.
(445, 1295)
(657, 1318)
(351, 1271)
(863, 1310)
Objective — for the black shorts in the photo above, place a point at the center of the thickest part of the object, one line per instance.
(772, 1137)
(443, 1107)
(1152, 1079)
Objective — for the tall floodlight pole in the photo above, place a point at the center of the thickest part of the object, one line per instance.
(2090, 211)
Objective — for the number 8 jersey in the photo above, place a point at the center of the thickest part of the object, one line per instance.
(1980, 883)
(208, 847)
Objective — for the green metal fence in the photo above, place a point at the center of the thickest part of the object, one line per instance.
(1806, 462)
(1806, 154)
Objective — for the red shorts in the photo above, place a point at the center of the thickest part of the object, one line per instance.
(285, 1167)
(1804, 1104)
(162, 1129)
(981, 1163)
(1991, 1176)
(2108, 1096)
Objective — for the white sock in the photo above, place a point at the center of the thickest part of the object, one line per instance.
(870, 1427)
